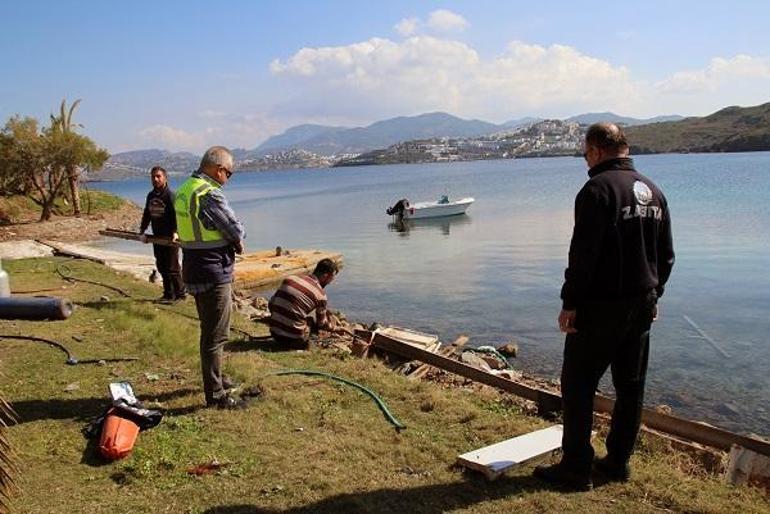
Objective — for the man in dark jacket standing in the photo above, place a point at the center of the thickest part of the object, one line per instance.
(620, 258)
(159, 212)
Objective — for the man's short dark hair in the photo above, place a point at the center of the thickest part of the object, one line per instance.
(158, 168)
(606, 135)
(325, 266)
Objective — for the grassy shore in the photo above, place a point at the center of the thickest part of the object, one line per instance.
(306, 445)
(20, 209)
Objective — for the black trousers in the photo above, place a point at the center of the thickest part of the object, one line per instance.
(167, 262)
(612, 334)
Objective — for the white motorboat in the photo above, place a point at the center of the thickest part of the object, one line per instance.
(419, 210)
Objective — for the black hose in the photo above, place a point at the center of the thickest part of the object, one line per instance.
(71, 360)
(70, 278)
(380, 403)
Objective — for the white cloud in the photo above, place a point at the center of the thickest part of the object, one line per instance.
(719, 73)
(425, 73)
(164, 136)
(446, 21)
(379, 77)
(407, 26)
(222, 128)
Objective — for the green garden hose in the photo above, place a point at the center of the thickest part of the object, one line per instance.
(380, 403)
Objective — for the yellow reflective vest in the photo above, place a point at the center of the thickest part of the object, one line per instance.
(192, 233)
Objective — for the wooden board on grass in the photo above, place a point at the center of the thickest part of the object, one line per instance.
(496, 459)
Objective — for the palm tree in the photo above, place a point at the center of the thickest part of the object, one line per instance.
(63, 124)
(7, 466)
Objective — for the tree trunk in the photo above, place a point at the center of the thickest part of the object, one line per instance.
(47, 209)
(72, 178)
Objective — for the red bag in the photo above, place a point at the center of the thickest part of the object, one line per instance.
(118, 436)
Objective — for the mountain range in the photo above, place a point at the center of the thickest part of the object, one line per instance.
(339, 140)
(731, 129)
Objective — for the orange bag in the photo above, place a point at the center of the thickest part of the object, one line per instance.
(118, 436)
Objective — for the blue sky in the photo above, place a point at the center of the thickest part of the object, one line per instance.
(184, 75)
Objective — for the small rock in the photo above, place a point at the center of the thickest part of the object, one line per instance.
(152, 377)
(299, 429)
(104, 298)
(664, 409)
(509, 350)
(102, 362)
(74, 386)
(78, 339)
(474, 360)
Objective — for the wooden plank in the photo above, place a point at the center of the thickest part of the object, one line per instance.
(447, 351)
(547, 401)
(258, 270)
(544, 399)
(136, 236)
(496, 459)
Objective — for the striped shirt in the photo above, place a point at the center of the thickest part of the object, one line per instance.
(296, 298)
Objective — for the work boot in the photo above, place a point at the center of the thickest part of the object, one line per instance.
(562, 476)
(612, 470)
(228, 402)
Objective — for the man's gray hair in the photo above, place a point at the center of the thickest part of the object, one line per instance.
(217, 156)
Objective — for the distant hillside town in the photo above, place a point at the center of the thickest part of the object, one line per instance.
(441, 137)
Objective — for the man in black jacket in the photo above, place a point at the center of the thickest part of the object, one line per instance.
(620, 258)
(159, 211)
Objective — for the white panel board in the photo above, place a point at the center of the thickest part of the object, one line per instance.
(496, 459)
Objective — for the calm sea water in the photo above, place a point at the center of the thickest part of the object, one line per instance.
(495, 273)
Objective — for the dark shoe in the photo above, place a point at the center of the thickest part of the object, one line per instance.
(561, 476)
(181, 297)
(229, 403)
(612, 470)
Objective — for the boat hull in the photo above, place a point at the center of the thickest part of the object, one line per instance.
(424, 210)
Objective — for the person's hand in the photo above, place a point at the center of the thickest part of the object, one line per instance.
(655, 313)
(567, 321)
(174, 237)
(143, 238)
(238, 245)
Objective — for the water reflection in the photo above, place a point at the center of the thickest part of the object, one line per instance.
(405, 226)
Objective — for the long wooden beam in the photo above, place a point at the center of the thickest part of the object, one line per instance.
(547, 401)
(136, 236)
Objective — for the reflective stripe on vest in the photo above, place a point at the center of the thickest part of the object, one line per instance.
(192, 233)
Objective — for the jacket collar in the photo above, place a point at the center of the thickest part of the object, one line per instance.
(618, 163)
(199, 174)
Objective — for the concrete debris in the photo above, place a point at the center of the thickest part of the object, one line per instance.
(474, 360)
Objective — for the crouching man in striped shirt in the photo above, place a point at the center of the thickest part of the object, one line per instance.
(298, 307)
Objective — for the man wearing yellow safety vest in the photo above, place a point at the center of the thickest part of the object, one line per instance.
(210, 235)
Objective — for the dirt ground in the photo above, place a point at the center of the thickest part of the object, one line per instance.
(85, 228)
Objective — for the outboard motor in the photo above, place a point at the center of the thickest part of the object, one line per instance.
(399, 208)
